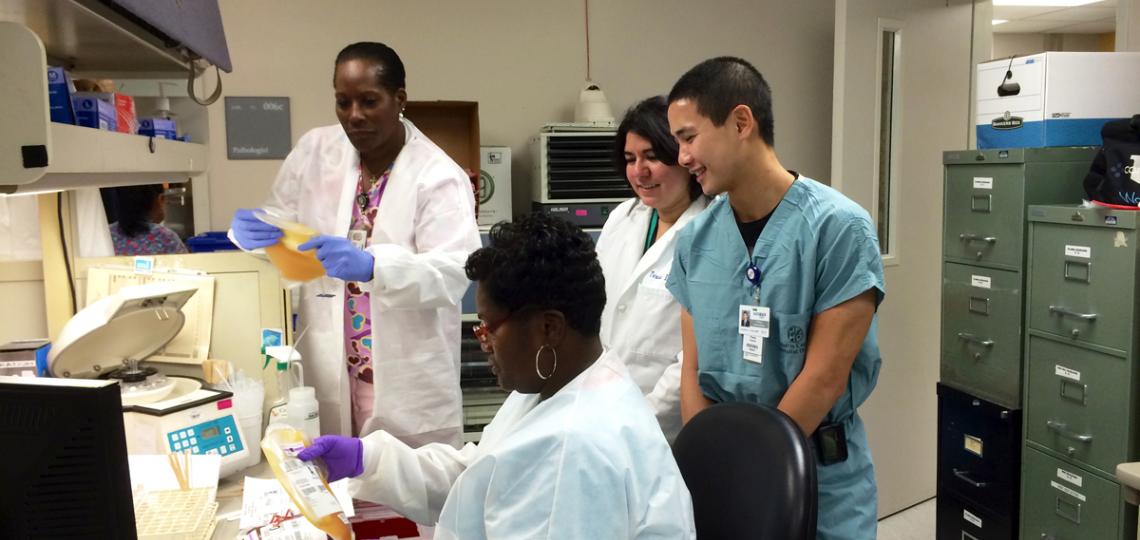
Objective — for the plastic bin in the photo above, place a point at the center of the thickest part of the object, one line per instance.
(209, 242)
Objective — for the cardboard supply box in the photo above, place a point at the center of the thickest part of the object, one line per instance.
(24, 358)
(1060, 98)
(494, 195)
(454, 127)
(124, 105)
(162, 128)
(90, 111)
(60, 90)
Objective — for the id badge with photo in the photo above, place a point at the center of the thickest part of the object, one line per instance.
(358, 238)
(753, 320)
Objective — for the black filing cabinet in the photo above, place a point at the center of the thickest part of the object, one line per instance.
(979, 458)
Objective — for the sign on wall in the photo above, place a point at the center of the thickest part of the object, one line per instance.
(258, 127)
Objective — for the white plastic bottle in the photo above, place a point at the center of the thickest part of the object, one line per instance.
(303, 412)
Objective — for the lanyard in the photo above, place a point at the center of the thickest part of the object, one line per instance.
(752, 273)
(651, 235)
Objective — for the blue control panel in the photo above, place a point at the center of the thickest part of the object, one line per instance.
(219, 436)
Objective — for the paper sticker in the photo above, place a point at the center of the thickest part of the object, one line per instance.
(753, 348)
(1067, 491)
(1081, 252)
(1070, 477)
(981, 282)
(144, 265)
(981, 182)
(655, 280)
(754, 321)
(1071, 374)
(1120, 240)
(977, 521)
(973, 445)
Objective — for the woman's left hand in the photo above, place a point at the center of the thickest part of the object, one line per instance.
(341, 259)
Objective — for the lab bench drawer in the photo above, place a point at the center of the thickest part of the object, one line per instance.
(1082, 281)
(959, 519)
(984, 206)
(979, 451)
(981, 332)
(1077, 403)
(1065, 502)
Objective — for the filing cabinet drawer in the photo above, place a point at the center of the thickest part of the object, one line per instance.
(1082, 283)
(984, 209)
(1063, 502)
(958, 519)
(979, 451)
(1077, 403)
(981, 331)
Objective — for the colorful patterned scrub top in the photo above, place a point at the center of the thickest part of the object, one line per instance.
(157, 240)
(357, 306)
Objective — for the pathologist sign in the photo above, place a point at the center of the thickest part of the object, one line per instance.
(258, 128)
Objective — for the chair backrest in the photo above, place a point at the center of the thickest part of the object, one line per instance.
(751, 473)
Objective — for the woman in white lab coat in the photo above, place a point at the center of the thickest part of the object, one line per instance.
(398, 221)
(642, 322)
(573, 453)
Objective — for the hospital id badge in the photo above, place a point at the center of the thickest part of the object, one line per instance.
(754, 321)
(358, 238)
(753, 348)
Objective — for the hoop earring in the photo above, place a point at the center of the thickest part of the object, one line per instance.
(538, 354)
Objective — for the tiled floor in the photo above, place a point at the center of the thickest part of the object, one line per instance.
(914, 523)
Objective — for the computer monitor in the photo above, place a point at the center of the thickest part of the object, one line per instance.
(63, 470)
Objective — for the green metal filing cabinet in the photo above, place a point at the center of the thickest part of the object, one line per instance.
(983, 246)
(1081, 373)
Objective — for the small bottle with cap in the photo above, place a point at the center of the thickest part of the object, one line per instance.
(303, 412)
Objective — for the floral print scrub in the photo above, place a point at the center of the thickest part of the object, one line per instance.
(357, 303)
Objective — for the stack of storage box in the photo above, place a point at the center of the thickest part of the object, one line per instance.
(1081, 376)
(987, 193)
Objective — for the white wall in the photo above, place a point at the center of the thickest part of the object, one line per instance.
(1006, 45)
(524, 62)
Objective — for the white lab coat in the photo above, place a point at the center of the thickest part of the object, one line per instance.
(642, 321)
(567, 467)
(424, 230)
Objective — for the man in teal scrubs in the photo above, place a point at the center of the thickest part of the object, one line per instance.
(802, 260)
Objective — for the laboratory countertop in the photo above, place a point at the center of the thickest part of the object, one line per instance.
(1129, 476)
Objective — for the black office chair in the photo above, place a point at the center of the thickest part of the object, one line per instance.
(751, 473)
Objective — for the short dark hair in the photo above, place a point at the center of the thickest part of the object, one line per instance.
(545, 262)
(719, 84)
(391, 73)
(134, 206)
(649, 119)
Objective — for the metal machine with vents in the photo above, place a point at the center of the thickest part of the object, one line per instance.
(575, 174)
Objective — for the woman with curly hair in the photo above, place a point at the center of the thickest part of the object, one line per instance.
(574, 452)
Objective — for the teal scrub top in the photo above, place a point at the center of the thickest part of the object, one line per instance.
(818, 250)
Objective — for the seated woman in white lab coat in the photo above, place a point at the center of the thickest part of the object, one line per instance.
(574, 452)
(641, 323)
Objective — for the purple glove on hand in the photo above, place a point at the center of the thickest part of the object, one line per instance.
(252, 233)
(343, 456)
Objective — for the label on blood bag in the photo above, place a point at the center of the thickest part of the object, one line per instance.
(308, 486)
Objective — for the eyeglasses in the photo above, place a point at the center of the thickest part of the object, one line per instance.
(484, 331)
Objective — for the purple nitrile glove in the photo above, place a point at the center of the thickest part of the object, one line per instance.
(341, 259)
(252, 233)
(343, 456)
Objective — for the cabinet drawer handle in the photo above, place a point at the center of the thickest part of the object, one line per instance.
(965, 477)
(979, 305)
(1060, 310)
(1071, 274)
(1084, 388)
(970, 237)
(1061, 429)
(1073, 515)
(975, 339)
(976, 199)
